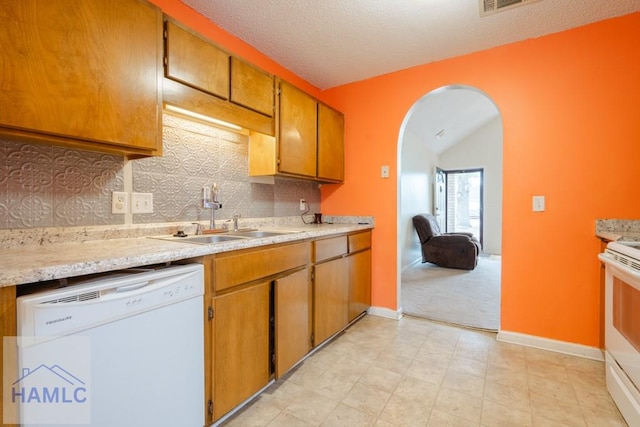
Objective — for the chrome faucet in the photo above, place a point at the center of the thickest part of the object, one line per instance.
(235, 221)
(210, 201)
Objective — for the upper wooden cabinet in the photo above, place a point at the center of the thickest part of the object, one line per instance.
(196, 62)
(252, 87)
(82, 73)
(309, 142)
(330, 144)
(297, 136)
(205, 79)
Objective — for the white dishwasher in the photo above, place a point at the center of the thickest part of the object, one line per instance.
(123, 349)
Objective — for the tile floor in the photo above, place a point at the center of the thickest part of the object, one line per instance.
(413, 372)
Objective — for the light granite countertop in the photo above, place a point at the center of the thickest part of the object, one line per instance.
(614, 230)
(49, 254)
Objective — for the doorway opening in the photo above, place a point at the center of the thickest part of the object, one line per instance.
(459, 202)
(457, 132)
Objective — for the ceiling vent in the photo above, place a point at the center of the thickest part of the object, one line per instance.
(489, 7)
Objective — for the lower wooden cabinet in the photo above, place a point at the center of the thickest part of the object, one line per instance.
(292, 303)
(359, 273)
(266, 308)
(330, 298)
(241, 346)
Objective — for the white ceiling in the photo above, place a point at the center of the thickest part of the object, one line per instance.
(333, 42)
(458, 111)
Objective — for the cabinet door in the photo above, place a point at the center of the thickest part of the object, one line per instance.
(76, 70)
(292, 320)
(252, 87)
(196, 63)
(241, 346)
(330, 144)
(359, 283)
(298, 131)
(331, 298)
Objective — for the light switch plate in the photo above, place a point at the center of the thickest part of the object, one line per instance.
(119, 202)
(538, 203)
(141, 203)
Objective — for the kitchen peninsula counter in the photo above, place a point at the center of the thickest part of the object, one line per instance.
(39, 257)
(613, 230)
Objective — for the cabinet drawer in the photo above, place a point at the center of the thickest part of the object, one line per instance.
(359, 241)
(236, 269)
(329, 248)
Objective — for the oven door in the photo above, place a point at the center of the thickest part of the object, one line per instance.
(622, 317)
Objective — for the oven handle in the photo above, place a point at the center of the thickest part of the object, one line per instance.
(619, 266)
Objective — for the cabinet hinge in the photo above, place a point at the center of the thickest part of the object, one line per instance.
(164, 34)
(312, 339)
(313, 275)
(210, 313)
(210, 407)
(165, 60)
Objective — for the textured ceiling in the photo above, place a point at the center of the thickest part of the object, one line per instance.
(333, 42)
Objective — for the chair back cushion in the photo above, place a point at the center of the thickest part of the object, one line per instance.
(426, 227)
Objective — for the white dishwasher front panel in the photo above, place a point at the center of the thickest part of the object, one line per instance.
(146, 336)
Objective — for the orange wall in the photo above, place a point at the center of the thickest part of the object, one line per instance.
(570, 105)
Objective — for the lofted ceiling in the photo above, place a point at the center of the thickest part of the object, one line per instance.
(333, 42)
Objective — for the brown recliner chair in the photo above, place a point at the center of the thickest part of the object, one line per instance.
(451, 250)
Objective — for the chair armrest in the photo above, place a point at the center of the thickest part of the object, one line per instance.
(462, 233)
(450, 239)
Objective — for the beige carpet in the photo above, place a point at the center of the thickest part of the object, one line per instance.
(467, 298)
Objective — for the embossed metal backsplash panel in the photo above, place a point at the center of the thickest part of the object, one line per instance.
(50, 186)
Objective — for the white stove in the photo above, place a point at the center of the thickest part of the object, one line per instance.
(622, 326)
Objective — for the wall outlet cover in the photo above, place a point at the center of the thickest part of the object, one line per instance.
(119, 202)
(538, 203)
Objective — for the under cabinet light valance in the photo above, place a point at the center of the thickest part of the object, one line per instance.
(198, 116)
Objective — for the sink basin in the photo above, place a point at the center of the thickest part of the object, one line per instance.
(203, 240)
(259, 233)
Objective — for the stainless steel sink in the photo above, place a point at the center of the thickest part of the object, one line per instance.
(259, 233)
(241, 234)
(204, 239)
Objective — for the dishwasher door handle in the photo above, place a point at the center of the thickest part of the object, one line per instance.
(132, 287)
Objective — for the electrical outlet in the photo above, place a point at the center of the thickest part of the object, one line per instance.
(141, 203)
(538, 203)
(119, 202)
(303, 205)
(384, 171)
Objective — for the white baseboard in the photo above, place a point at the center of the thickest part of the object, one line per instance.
(385, 312)
(412, 264)
(551, 345)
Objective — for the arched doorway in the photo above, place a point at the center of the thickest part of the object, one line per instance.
(453, 128)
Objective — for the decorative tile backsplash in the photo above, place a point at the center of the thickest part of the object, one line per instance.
(50, 186)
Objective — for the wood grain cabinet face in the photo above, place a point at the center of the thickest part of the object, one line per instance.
(359, 273)
(196, 62)
(241, 352)
(292, 319)
(330, 144)
(82, 73)
(297, 135)
(251, 87)
(330, 298)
